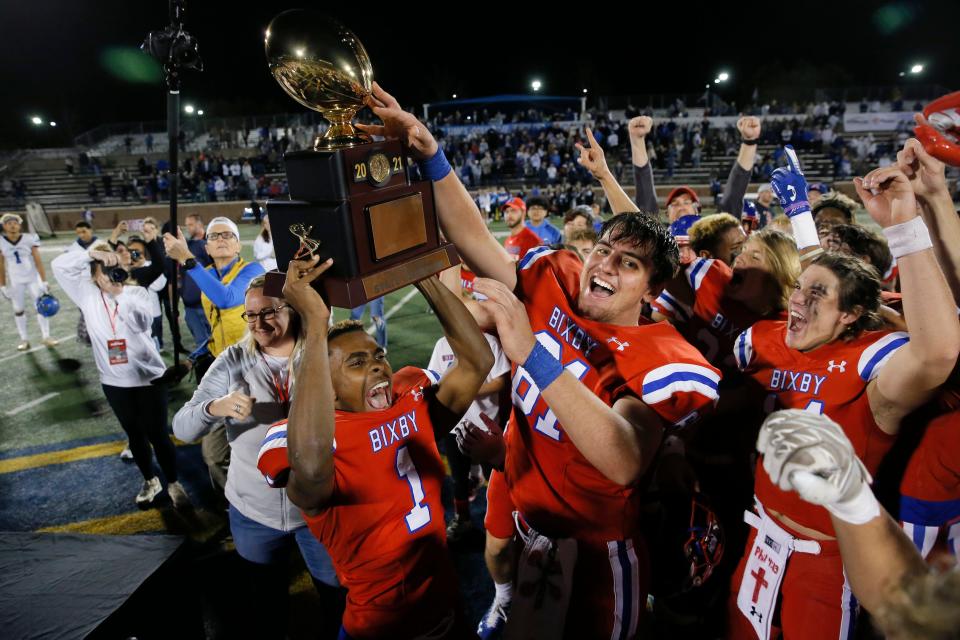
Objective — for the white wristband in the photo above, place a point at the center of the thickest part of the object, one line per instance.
(908, 237)
(805, 230)
(860, 509)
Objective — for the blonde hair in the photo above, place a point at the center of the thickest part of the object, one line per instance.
(781, 253)
(250, 344)
(782, 222)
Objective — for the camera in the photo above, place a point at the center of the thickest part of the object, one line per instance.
(118, 275)
(135, 254)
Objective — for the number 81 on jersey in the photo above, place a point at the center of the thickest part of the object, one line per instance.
(526, 394)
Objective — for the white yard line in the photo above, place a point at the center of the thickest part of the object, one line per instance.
(37, 348)
(32, 404)
(404, 300)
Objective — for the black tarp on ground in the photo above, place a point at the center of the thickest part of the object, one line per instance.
(64, 585)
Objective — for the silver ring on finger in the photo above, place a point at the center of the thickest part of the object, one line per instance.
(236, 408)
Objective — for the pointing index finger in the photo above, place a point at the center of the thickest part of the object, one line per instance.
(591, 138)
(793, 160)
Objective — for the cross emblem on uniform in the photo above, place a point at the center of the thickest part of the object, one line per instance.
(759, 584)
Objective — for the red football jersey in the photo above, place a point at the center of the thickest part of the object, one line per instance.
(832, 380)
(715, 321)
(384, 526)
(931, 485)
(518, 246)
(555, 488)
(466, 279)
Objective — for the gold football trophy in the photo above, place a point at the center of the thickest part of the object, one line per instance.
(352, 199)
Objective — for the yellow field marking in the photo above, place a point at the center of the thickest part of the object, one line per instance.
(124, 524)
(103, 449)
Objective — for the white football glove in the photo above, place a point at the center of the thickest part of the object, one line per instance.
(809, 453)
(44, 287)
(5, 292)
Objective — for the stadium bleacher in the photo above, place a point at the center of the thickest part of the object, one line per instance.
(49, 184)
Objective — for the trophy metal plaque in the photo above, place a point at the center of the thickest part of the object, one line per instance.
(352, 199)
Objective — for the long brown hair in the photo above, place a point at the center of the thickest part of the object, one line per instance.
(859, 289)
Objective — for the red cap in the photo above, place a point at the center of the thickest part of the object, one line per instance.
(681, 190)
(516, 203)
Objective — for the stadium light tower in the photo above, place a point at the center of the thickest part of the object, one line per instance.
(52, 123)
(188, 108)
(199, 112)
(535, 85)
(916, 69)
(37, 120)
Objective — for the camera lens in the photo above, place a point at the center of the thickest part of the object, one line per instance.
(135, 254)
(118, 275)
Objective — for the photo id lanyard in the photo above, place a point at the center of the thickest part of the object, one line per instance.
(116, 348)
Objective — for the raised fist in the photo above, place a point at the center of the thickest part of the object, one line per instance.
(749, 127)
(639, 127)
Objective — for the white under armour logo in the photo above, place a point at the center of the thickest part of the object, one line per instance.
(842, 366)
(620, 345)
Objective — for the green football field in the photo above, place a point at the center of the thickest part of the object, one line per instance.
(56, 428)
(60, 470)
(42, 404)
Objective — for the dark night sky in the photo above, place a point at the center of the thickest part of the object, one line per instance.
(52, 52)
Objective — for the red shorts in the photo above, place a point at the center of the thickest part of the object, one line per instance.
(499, 518)
(816, 601)
(610, 586)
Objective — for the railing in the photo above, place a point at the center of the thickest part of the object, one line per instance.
(195, 125)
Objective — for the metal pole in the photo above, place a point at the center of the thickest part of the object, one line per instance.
(175, 49)
(173, 137)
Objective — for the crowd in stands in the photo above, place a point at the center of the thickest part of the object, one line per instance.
(537, 149)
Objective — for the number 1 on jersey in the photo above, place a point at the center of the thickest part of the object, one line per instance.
(419, 516)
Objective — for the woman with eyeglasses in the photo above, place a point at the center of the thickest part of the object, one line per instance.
(248, 388)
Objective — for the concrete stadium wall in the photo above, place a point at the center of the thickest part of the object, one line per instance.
(109, 217)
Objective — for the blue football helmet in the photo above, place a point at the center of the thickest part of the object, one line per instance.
(47, 305)
(680, 228)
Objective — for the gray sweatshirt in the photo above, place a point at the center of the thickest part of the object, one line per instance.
(238, 368)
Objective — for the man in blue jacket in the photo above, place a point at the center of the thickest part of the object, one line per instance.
(190, 292)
